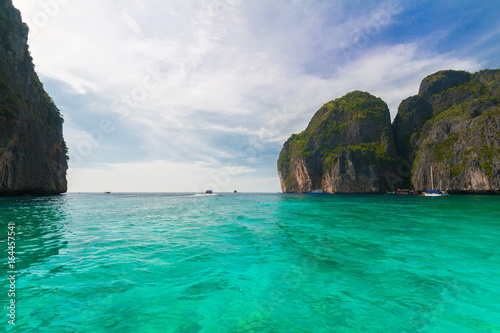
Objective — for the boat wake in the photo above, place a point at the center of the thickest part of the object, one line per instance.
(205, 195)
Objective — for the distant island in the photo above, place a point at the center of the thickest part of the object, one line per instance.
(33, 154)
(452, 127)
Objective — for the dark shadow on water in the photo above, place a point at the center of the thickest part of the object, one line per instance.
(39, 227)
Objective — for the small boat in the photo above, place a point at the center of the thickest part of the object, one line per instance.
(317, 191)
(405, 192)
(108, 192)
(209, 192)
(432, 192)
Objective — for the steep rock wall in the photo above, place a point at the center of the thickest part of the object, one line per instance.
(461, 143)
(346, 148)
(32, 149)
(452, 127)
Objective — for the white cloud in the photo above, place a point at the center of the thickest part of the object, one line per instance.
(195, 81)
(163, 176)
(394, 72)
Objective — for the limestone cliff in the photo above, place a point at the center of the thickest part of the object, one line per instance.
(346, 148)
(452, 127)
(461, 142)
(32, 150)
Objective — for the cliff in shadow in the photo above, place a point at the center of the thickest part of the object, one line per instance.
(346, 148)
(33, 154)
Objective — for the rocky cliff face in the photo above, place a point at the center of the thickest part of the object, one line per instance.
(346, 148)
(32, 150)
(452, 127)
(461, 142)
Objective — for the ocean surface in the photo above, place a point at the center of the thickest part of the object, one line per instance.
(252, 263)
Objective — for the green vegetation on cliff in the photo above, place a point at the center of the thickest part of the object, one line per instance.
(458, 134)
(451, 126)
(358, 123)
(33, 154)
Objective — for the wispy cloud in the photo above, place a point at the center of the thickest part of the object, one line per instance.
(215, 82)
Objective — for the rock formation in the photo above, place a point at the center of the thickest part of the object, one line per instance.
(33, 154)
(451, 126)
(460, 140)
(346, 148)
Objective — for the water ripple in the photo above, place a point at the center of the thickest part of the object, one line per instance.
(255, 263)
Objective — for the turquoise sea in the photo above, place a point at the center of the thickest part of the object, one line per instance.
(252, 263)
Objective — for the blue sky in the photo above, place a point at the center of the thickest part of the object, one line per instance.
(180, 95)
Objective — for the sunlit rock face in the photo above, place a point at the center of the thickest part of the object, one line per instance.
(348, 147)
(461, 141)
(451, 127)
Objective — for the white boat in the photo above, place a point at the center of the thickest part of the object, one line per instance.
(435, 193)
(432, 192)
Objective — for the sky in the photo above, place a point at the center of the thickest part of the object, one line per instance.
(187, 95)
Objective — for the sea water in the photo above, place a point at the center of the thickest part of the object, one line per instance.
(251, 263)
